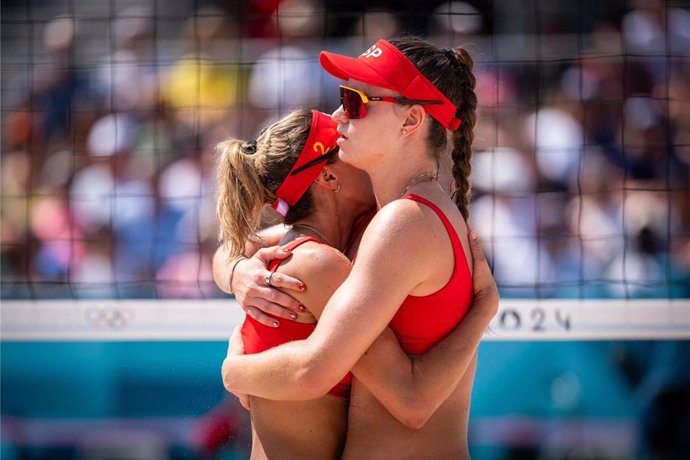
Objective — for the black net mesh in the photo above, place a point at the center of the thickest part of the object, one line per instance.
(111, 110)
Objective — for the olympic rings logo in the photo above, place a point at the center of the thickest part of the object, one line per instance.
(109, 317)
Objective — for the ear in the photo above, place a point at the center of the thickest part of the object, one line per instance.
(328, 179)
(414, 120)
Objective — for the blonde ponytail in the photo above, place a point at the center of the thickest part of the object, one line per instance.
(241, 195)
(249, 173)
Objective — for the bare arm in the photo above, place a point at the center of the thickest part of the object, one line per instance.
(309, 368)
(248, 279)
(270, 236)
(412, 389)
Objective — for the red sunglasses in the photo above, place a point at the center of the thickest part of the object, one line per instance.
(355, 102)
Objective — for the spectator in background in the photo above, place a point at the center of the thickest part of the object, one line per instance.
(617, 100)
(286, 75)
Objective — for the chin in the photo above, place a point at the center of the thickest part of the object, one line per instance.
(349, 158)
(345, 156)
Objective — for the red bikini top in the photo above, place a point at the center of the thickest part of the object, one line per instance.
(421, 322)
(258, 337)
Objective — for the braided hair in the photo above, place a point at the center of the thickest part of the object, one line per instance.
(450, 70)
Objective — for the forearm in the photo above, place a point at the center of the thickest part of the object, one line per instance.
(309, 368)
(412, 389)
(436, 374)
(221, 263)
(281, 373)
(223, 260)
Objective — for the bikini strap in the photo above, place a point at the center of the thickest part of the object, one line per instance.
(275, 263)
(454, 238)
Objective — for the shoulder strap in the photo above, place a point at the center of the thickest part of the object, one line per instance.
(275, 263)
(458, 250)
(455, 240)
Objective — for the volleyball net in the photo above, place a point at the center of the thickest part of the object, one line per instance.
(111, 110)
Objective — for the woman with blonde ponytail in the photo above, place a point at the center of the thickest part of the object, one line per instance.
(293, 167)
(408, 111)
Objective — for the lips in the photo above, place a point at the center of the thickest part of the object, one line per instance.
(342, 138)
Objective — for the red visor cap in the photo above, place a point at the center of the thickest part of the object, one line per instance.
(385, 66)
(322, 138)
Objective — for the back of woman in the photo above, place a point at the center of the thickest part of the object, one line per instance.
(293, 177)
(298, 429)
(313, 429)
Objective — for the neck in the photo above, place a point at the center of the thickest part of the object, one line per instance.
(331, 227)
(389, 186)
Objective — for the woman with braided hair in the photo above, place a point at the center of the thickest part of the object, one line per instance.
(407, 113)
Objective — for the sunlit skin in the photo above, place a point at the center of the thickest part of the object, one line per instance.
(316, 428)
(321, 422)
(360, 145)
(405, 251)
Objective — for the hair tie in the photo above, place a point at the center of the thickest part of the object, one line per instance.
(249, 148)
(450, 54)
(281, 206)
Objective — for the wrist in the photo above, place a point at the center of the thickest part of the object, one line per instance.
(235, 263)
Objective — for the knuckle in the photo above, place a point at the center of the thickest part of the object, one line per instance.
(273, 295)
(253, 312)
(266, 307)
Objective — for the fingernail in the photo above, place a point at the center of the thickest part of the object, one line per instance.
(276, 324)
(285, 249)
(473, 235)
(301, 308)
(293, 316)
(302, 287)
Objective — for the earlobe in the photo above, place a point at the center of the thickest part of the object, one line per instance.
(415, 118)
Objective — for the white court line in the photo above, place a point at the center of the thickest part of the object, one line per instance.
(168, 320)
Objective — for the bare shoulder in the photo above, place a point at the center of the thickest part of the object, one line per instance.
(321, 268)
(313, 259)
(400, 221)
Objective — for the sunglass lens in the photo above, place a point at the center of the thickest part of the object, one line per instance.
(352, 104)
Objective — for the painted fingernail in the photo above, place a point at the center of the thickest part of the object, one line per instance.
(276, 324)
(302, 287)
(301, 308)
(293, 316)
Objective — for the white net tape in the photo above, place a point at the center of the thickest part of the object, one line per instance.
(533, 320)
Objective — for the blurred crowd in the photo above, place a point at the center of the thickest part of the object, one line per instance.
(110, 118)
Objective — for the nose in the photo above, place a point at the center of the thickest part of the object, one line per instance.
(339, 115)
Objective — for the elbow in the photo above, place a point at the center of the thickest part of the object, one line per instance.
(415, 417)
(314, 381)
(414, 410)
(316, 374)
(225, 374)
(218, 272)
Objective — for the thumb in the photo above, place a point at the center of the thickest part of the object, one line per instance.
(476, 249)
(273, 252)
(236, 345)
